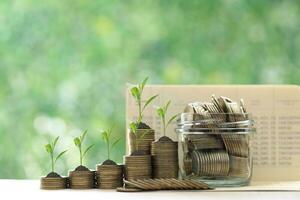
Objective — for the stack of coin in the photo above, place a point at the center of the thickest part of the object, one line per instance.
(165, 158)
(210, 163)
(236, 144)
(109, 176)
(144, 138)
(137, 167)
(167, 184)
(187, 164)
(53, 183)
(239, 167)
(82, 179)
(204, 141)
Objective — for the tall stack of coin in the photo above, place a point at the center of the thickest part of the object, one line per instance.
(165, 158)
(141, 140)
(82, 179)
(137, 167)
(53, 183)
(109, 176)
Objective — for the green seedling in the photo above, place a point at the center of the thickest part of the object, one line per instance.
(110, 142)
(161, 112)
(50, 147)
(137, 92)
(78, 143)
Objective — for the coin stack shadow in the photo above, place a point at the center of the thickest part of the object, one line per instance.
(137, 167)
(82, 179)
(53, 183)
(145, 137)
(165, 158)
(109, 176)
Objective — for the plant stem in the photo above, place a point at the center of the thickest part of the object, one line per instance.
(140, 110)
(52, 162)
(164, 125)
(108, 150)
(80, 153)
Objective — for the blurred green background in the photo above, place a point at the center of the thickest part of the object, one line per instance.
(64, 64)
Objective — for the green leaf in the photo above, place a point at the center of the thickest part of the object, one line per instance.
(171, 119)
(48, 148)
(105, 136)
(143, 84)
(167, 106)
(55, 142)
(83, 136)
(77, 141)
(87, 149)
(115, 143)
(149, 101)
(160, 111)
(133, 127)
(59, 155)
(135, 93)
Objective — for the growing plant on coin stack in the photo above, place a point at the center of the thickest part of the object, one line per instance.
(138, 124)
(161, 112)
(110, 144)
(78, 141)
(109, 173)
(50, 147)
(53, 181)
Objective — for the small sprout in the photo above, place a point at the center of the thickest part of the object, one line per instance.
(136, 92)
(161, 112)
(110, 143)
(78, 142)
(50, 147)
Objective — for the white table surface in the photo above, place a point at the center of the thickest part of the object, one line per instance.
(13, 189)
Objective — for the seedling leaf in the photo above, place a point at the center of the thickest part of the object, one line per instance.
(149, 101)
(87, 149)
(135, 93)
(55, 142)
(83, 136)
(48, 148)
(133, 127)
(77, 141)
(115, 143)
(143, 84)
(59, 155)
(160, 112)
(171, 119)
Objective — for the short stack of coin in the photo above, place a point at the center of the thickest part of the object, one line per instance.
(210, 163)
(144, 138)
(53, 183)
(204, 141)
(109, 176)
(165, 158)
(137, 167)
(82, 179)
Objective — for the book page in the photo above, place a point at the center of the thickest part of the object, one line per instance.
(275, 109)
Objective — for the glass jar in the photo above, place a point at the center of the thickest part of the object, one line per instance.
(215, 149)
